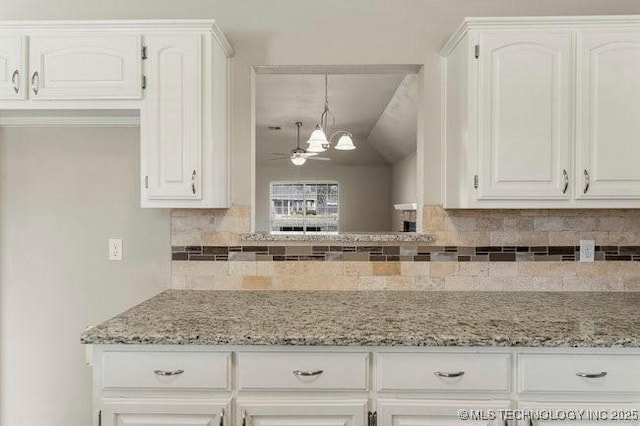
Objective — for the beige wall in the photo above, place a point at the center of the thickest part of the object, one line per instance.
(364, 193)
(63, 193)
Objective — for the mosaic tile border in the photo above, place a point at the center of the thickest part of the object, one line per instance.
(404, 253)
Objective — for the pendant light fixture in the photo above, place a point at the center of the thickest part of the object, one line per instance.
(318, 141)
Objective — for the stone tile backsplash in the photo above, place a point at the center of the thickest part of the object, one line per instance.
(458, 231)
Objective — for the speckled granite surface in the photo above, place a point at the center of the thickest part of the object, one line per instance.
(378, 319)
(389, 237)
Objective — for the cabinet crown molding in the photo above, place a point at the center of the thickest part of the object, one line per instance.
(538, 22)
(128, 24)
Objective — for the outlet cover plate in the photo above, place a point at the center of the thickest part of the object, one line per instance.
(587, 250)
(115, 249)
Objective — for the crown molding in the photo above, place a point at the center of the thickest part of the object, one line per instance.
(538, 22)
(129, 24)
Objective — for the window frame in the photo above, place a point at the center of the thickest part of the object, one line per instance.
(304, 205)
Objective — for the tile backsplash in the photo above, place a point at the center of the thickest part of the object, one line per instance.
(490, 250)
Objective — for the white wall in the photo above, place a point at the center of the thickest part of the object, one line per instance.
(364, 193)
(63, 193)
(404, 182)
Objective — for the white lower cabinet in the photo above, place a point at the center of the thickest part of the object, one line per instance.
(360, 386)
(314, 412)
(164, 412)
(412, 412)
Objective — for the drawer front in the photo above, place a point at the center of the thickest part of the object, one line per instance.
(566, 373)
(166, 370)
(443, 372)
(299, 371)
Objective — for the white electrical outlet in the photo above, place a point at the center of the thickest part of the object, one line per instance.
(587, 250)
(115, 249)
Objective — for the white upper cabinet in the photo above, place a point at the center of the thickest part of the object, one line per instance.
(171, 118)
(184, 122)
(12, 67)
(542, 113)
(608, 142)
(85, 65)
(524, 110)
(174, 74)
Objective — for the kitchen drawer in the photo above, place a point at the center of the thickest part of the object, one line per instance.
(561, 373)
(428, 372)
(299, 371)
(143, 370)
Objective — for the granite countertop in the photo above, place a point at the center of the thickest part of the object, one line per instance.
(377, 319)
(363, 237)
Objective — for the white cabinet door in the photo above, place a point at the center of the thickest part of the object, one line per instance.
(608, 140)
(165, 412)
(578, 414)
(440, 413)
(12, 67)
(85, 66)
(171, 118)
(524, 115)
(301, 413)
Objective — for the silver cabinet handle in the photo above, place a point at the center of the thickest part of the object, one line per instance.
(449, 374)
(591, 375)
(15, 79)
(307, 373)
(565, 177)
(193, 182)
(586, 181)
(35, 82)
(244, 418)
(222, 417)
(168, 373)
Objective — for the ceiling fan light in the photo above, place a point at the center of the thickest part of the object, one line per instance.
(298, 160)
(345, 143)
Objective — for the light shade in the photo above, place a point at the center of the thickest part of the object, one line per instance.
(318, 141)
(298, 160)
(345, 143)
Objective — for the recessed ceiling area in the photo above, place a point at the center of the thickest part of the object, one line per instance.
(360, 101)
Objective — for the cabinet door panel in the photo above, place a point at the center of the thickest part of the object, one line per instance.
(12, 70)
(165, 412)
(437, 413)
(85, 66)
(303, 413)
(580, 414)
(171, 118)
(608, 141)
(524, 115)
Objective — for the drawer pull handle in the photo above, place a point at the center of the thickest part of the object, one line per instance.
(591, 375)
(244, 418)
(449, 374)
(308, 373)
(168, 373)
(222, 417)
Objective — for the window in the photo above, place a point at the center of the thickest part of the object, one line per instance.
(304, 207)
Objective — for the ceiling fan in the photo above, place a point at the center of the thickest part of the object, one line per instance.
(299, 156)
